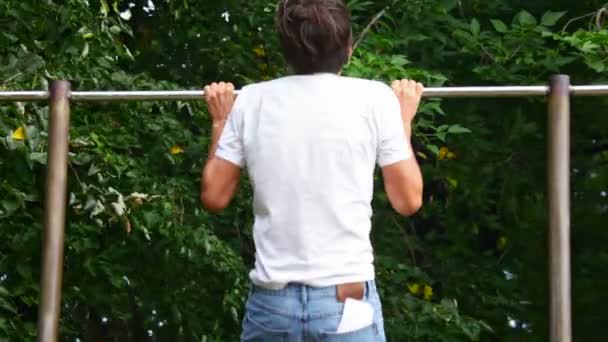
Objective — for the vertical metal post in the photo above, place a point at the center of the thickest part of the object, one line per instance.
(558, 167)
(54, 213)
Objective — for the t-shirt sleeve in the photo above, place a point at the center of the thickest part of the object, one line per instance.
(393, 146)
(230, 146)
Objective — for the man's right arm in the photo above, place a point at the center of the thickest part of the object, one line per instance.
(403, 179)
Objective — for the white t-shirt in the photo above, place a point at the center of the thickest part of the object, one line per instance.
(310, 144)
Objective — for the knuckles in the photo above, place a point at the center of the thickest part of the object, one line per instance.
(215, 90)
(407, 88)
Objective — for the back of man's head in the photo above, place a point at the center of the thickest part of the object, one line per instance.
(315, 35)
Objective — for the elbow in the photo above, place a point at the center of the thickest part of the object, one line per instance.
(213, 203)
(413, 207)
(410, 207)
(411, 203)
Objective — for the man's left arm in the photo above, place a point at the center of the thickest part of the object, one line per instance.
(221, 173)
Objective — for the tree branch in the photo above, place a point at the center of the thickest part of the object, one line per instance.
(368, 28)
(578, 18)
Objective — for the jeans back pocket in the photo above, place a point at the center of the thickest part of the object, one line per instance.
(256, 332)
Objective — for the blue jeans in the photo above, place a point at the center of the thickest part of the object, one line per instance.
(300, 313)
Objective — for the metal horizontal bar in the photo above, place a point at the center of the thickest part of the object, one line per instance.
(194, 95)
(172, 95)
(198, 95)
(24, 95)
(589, 90)
(504, 91)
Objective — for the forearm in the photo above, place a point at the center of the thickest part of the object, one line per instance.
(219, 179)
(413, 170)
(217, 127)
(412, 186)
(407, 129)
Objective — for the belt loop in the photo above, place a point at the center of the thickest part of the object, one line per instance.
(303, 294)
(367, 290)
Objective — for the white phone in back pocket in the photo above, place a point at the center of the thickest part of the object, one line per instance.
(357, 315)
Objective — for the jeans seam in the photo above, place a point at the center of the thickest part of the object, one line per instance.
(323, 315)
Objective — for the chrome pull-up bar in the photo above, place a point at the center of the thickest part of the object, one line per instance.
(194, 95)
(558, 93)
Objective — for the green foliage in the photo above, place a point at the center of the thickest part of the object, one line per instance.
(141, 255)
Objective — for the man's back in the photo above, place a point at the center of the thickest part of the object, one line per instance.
(310, 144)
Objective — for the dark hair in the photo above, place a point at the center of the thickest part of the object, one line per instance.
(315, 34)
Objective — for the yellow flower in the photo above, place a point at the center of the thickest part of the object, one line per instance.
(428, 292)
(445, 153)
(502, 243)
(259, 51)
(19, 134)
(176, 150)
(414, 288)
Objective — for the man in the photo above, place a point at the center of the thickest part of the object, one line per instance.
(310, 143)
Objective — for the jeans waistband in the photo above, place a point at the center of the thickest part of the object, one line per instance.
(306, 292)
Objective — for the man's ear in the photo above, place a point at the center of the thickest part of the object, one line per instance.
(350, 55)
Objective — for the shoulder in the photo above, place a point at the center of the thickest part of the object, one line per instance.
(375, 89)
(247, 96)
(248, 91)
(254, 89)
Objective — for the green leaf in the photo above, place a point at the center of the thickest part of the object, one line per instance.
(151, 219)
(457, 129)
(434, 149)
(475, 27)
(441, 136)
(11, 37)
(10, 206)
(115, 29)
(485, 326)
(598, 66)
(7, 306)
(472, 330)
(551, 18)
(104, 9)
(443, 128)
(38, 157)
(399, 61)
(235, 315)
(525, 18)
(448, 5)
(499, 25)
(85, 51)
